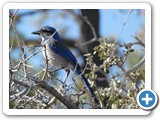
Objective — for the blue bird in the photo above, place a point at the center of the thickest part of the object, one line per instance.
(59, 55)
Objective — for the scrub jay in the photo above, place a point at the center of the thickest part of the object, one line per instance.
(58, 54)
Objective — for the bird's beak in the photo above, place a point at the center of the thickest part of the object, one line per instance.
(36, 32)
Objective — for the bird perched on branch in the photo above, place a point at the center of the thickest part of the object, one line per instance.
(59, 55)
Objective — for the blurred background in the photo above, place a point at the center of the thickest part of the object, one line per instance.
(80, 30)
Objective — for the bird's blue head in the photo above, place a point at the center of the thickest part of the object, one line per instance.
(46, 32)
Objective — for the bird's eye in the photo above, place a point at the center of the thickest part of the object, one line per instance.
(47, 34)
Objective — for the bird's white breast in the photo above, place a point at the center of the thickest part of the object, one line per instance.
(54, 58)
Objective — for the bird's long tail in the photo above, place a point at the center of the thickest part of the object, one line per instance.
(88, 85)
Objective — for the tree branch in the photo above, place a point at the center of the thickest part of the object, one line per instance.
(54, 92)
(141, 62)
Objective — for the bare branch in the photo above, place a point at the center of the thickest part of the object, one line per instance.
(95, 37)
(140, 41)
(124, 22)
(12, 17)
(52, 101)
(54, 92)
(33, 12)
(139, 64)
(46, 69)
(21, 94)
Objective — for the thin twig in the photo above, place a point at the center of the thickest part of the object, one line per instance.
(126, 44)
(21, 62)
(21, 45)
(26, 92)
(22, 93)
(123, 70)
(139, 64)
(140, 41)
(95, 37)
(46, 69)
(124, 22)
(21, 83)
(52, 101)
(12, 17)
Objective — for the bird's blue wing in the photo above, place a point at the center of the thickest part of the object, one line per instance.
(59, 48)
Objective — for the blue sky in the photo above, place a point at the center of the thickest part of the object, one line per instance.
(111, 21)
